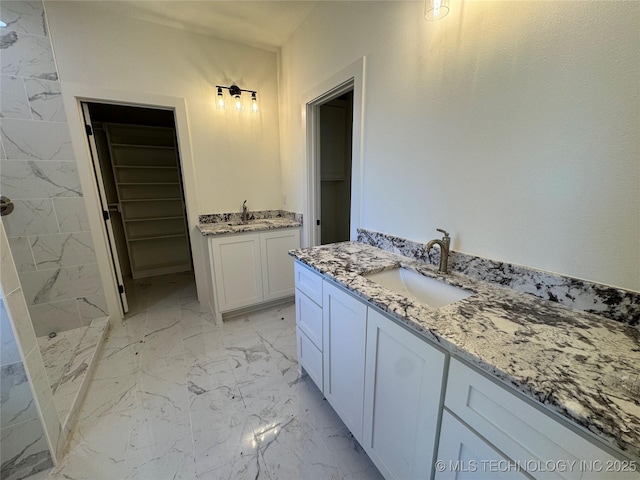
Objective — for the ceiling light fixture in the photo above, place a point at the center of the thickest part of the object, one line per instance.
(236, 95)
(436, 9)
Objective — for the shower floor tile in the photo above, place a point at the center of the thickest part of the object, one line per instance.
(58, 352)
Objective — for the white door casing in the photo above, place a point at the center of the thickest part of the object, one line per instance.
(350, 78)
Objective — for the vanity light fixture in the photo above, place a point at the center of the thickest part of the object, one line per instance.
(435, 9)
(236, 95)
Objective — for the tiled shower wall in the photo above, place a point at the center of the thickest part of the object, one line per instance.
(25, 396)
(48, 230)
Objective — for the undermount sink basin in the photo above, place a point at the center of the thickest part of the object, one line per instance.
(419, 288)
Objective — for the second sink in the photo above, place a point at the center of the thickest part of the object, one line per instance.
(419, 288)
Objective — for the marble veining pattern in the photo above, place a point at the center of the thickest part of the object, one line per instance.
(9, 352)
(16, 401)
(24, 450)
(63, 250)
(20, 179)
(31, 217)
(67, 371)
(24, 17)
(35, 140)
(254, 225)
(176, 396)
(13, 98)
(39, 173)
(578, 364)
(236, 217)
(45, 100)
(610, 302)
(27, 55)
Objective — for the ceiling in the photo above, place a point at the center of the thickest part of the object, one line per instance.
(264, 23)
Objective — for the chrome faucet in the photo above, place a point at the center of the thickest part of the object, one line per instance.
(245, 212)
(444, 249)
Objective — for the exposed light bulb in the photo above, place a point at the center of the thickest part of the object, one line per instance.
(238, 104)
(254, 103)
(435, 9)
(220, 100)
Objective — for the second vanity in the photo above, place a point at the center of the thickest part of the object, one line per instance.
(494, 385)
(248, 260)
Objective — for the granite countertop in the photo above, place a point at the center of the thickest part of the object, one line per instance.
(256, 225)
(582, 366)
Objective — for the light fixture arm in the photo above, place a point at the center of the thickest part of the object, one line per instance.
(236, 93)
(234, 90)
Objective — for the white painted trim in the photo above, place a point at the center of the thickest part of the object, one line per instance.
(72, 94)
(353, 76)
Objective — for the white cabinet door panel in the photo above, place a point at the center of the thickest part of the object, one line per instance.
(237, 271)
(344, 339)
(403, 389)
(309, 318)
(277, 265)
(310, 358)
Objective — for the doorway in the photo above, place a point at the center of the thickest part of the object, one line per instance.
(137, 169)
(335, 130)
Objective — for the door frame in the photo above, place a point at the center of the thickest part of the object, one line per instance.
(350, 78)
(73, 95)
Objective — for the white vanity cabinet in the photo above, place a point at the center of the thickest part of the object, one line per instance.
(251, 268)
(403, 392)
(463, 455)
(545, 447)
(344, 339)
(386, 384)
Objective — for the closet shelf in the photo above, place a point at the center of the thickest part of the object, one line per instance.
(151, 199)
(136, 145)
(151, 219)
(156, 237)
(172, 167)
(148, 183)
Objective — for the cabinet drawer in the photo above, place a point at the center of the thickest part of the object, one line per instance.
(521, 431)
(309, 282)
(309, 318)
(310, 358)
(463, 454)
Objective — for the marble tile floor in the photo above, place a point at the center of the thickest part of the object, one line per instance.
(174, 396)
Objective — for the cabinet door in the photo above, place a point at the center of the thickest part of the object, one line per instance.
(309, 318)
(309, 357)
(523, 432)
(277, 265)
(344, 340)
(237, 271)
(403, 387)
(462, 455)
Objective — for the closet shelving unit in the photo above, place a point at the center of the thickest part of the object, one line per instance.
(147, 177)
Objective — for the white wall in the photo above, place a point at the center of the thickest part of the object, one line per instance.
(227, 157)
(514, 125)
(236, 156)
